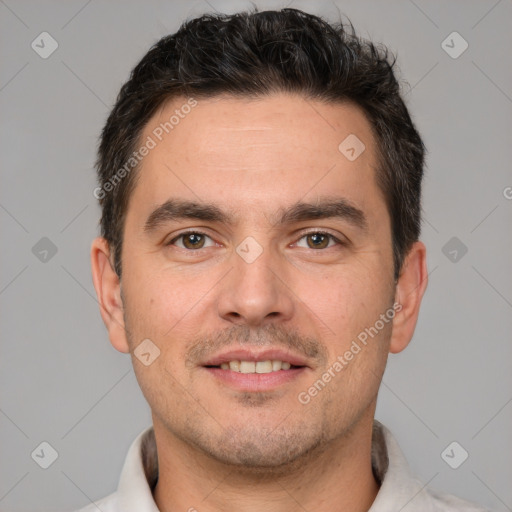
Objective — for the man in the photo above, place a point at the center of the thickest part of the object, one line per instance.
(260, 183)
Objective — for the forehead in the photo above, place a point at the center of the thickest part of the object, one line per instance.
(257, 155)
(283, 122)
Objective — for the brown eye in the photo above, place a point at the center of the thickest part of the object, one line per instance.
(191, 240)
(318, 240)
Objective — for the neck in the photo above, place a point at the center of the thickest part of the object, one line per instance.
(338, 478)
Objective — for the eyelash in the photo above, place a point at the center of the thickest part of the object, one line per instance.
(303, 235)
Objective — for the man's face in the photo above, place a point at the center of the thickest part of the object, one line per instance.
(257, 277)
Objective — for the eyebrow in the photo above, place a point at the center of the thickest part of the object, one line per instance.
(178, 209)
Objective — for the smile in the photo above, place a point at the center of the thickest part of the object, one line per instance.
(267, 366)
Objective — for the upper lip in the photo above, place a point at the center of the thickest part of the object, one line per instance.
(244, 354)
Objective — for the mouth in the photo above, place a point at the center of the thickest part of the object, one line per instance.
(248, 371)
(259, 367)
(250, 360)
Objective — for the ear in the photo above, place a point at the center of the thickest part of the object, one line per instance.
(108, 290)
(410, 288)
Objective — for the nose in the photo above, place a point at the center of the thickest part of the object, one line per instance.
(255, 293)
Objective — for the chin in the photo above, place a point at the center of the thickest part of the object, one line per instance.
(263, 450)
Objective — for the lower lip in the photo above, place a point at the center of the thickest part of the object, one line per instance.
(256, 381)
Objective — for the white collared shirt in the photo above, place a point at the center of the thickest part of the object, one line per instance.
(399, 489)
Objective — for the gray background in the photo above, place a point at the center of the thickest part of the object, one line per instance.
(61, 380)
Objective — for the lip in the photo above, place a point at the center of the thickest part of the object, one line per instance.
(256, 382)
(243, 354)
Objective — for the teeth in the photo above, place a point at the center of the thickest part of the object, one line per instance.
(256, 367)
(263, 366)
(247, 366)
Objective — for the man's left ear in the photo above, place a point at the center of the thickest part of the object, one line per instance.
(410, 288)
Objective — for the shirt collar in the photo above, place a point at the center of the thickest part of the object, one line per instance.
(139, 475)
(398, 489)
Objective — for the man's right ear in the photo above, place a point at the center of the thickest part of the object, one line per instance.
(108, 289)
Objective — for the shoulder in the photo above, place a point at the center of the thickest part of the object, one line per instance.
(448, 503)
(107, 504)
(400, 488)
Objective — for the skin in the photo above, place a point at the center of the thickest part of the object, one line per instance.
(223, 449)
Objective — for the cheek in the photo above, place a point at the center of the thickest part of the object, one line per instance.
(170, 310)
(348, 308)
(350, 299)
(158, 301)
(157, 310)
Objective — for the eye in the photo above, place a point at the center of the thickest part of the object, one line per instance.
(191, 240)
(319, 240)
